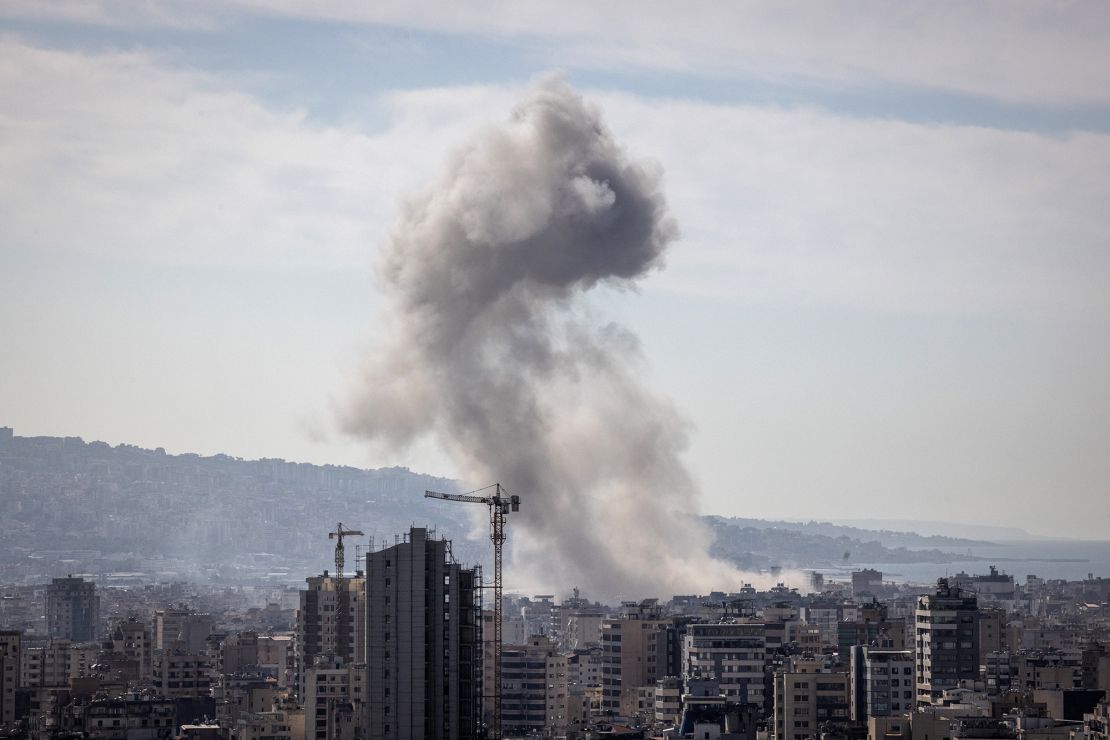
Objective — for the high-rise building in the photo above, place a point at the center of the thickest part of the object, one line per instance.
(634, 655)
(318, 630)
(882, 682)
(733, 654)
(10, 644)
(947, 641)
(424, 642)
(534, 686)
(72, 609)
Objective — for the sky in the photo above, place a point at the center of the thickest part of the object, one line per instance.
(889, 297)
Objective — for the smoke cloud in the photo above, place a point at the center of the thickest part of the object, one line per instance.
(491, 350)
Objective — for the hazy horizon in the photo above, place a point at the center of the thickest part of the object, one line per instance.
(924, 528)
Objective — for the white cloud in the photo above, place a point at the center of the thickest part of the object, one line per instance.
(1040, 53)
(877, 212)
(121, 155)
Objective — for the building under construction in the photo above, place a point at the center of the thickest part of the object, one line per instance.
(424, 642)
(320, 631)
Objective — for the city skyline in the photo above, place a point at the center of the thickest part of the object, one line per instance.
(888, 285)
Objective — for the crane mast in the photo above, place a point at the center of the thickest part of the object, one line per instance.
(500, 504)
(342, 597)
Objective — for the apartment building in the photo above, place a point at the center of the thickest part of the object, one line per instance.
(732, 653)
(72, 609)
(807, 695)
(882, 682)
(947, 641)
(424, 646)
(634, 655)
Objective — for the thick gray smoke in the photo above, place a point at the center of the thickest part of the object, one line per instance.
(491, 351)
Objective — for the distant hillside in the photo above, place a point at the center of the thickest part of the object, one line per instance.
(753, 544)
(888, 537)
(70, 506)
(955, 529)
(73, 506)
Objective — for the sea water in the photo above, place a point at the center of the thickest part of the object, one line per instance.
(1072, 560)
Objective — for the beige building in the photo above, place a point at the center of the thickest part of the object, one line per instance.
(238, 653)
(181, 625)
(177, 673)
(633, 649)
(806, 696)
(534, 686)
(334, 700)
(275, 657)
(240, 695)
(56, 663)
(278, 724)
(582, 628)
(134, 640)
(992, 633)
(668, 701)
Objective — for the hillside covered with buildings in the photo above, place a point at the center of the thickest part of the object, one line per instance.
(128, 513)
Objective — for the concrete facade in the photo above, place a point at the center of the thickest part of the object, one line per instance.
(10, 659)
(72, 609)
(883, 682)
(947, 641)
(807, 695)
(318, 630)
(633, 649)
(731, 653)
(424, 642)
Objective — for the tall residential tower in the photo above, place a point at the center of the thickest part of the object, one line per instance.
(947, 640)
(424, 648)
(72, 609)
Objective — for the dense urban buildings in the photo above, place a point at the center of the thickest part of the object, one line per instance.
(779, 663)
(839, 653)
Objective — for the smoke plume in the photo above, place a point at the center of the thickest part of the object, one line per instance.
(491, 350)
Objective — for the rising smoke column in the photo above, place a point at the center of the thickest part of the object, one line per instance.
(491, 351)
